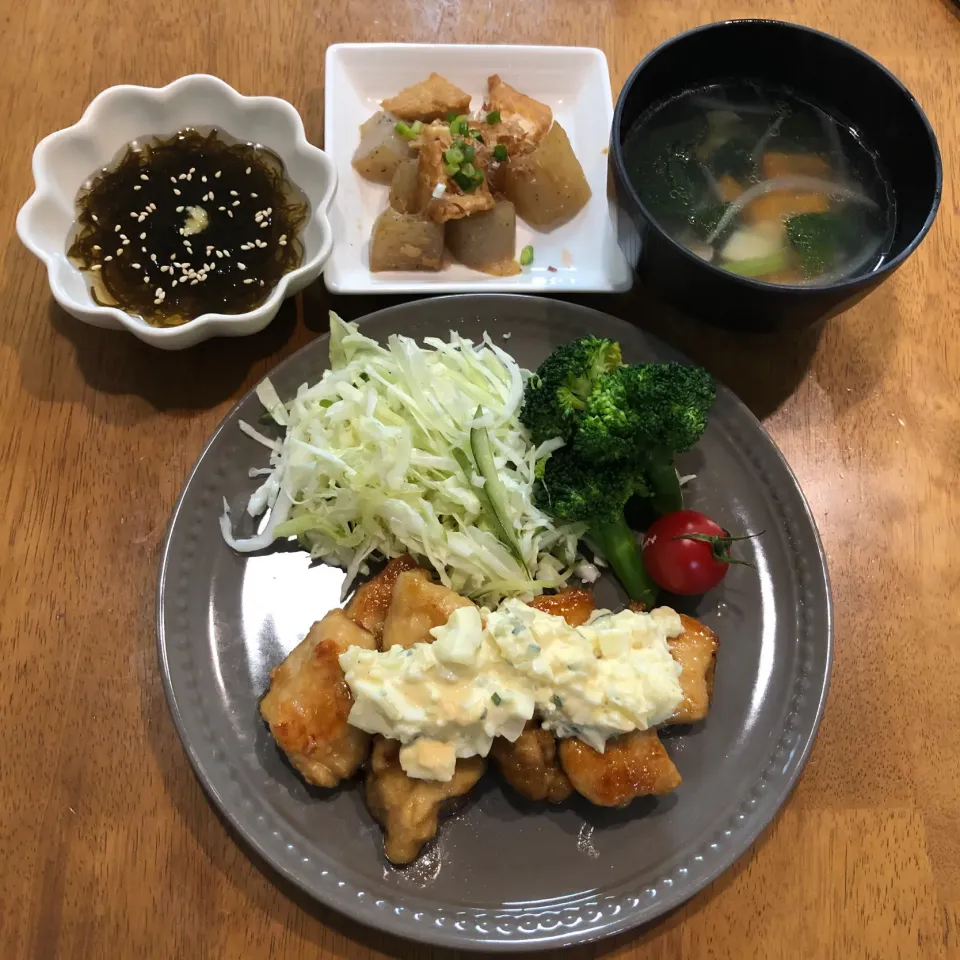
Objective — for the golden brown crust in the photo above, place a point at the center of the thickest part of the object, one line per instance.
(369, 604)
(417, 606)
(534, 116)
(696, 652)
(530, 764)
(574, 605)
(408, 809)
(431, 99)
(308, 703)
(634, 765)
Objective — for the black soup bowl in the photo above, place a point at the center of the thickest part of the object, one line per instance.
(842, 80)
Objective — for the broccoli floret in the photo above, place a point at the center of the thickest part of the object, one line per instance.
(560, 388)
(574, 490)
(644, 408)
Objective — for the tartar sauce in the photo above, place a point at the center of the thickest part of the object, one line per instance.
(486, 674)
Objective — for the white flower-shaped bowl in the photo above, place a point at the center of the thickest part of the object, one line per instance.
(65, 160)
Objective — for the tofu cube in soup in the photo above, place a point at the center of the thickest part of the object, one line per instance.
(381, 148)
(431, 99)
(404, 187)
(486, 238)
(403, 241)
(547, 186)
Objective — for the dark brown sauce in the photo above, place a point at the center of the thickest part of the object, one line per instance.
(149, 254)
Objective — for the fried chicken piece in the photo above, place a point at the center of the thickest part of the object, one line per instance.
(418, 605)
(530, 764)
(407, 809)
(431, 99)
(308, 703)
(574, 605)
(696, 652)
(369, 604)
(533, 116)
(634, 765)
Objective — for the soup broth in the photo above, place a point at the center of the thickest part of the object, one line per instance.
(762, 183)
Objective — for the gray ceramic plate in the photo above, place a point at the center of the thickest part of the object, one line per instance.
(504, 874)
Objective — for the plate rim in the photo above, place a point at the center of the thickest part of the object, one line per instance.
(407, 925)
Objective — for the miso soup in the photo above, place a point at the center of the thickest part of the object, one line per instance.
(762, 183)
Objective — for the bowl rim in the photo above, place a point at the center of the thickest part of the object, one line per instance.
(849, 285)
(206, 324)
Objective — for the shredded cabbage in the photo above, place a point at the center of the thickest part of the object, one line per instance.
(369, 464)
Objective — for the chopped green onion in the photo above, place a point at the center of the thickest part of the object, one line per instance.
(496, 700)
(459, 126)
(454, 156)
(476, 135)
(526, 256)
(465, 183)
(469, 153)
(468, 170)
(493, 117)
(409, 130)
(451, 116)
(451, 170)
(500, 152)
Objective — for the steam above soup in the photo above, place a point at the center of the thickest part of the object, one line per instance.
(763, 184)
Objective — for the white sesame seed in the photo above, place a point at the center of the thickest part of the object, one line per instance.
(192, 170)
(143, 236)
(203, 179)
(217, 174)
(151, 207)
(173, 180)
(221, 209)
(264, 224)
(144, 249)
(268, 211)
(226, 253)
(258, 216)
(230, 214)
(219, 254)
(146, 279)
(248, 280)
(116, 229)
(96, 266)
(107, 257)
(193, 283)
(176, 191)
(182, 176)
(96, 246)
(261, 283)
(95, 218)
(143, 176)
(137, 187)
(283, 238)
(179, 209)
(175, 282)
(159, 292)
(136, 266)
(141, 218)
(248, 170)
(253, 195)
(153, 257)
(241, 266)
(236, 203)
(123, 236)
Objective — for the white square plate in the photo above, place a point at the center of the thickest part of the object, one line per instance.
(574, 81)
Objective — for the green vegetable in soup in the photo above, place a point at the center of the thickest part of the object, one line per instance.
(734, 158)
(819, 239)
(759, 266)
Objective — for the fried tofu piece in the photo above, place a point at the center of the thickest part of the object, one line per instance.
(369, 604)
(408, 809)
(634, 765)
(431, 99)
(308, 702)
(530, 764)
(453, 204)
(417, 606)
(696, 652)
(574, 605)
(533, 116)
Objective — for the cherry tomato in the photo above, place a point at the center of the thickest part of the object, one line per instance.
(687, 553)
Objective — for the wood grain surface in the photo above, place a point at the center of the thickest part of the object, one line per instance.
(108, 846)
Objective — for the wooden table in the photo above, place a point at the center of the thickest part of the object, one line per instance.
(108, 846)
